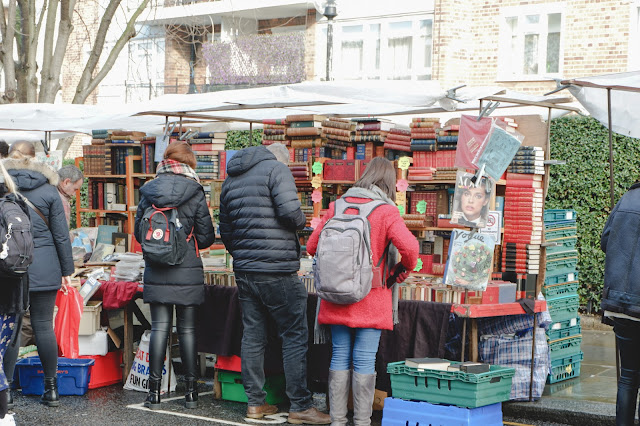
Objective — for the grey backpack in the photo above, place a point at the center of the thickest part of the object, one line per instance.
(165, 240)
(344, 271)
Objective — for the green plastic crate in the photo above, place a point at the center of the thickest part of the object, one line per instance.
(562, 255)
(233, 390)
(564, 244)
(564, 307)
(562, 266)
(566, 277)
(553, 215)
(561, 289)
(451, 387)
(563, 332)
(558, 230)
(565, 368)
(565, 347)
(571, 322)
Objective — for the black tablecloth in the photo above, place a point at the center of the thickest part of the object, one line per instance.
(421, 333)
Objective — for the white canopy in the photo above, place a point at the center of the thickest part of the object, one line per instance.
(625, 99)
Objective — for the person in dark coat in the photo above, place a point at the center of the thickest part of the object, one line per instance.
(13, 303)
(176, 185)
(621, 296)
(53, 261)
(259, 215)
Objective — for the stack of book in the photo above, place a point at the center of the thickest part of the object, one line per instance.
(300, 170)
(447, 137)
(206, 147)
(523, 209)
(369, 137)
(337, 132)
(521, 258)
(148, 153)
(423, 133)
(274, 130)
(528, 160)
(398, 139)
(305, 132)
(94, 156)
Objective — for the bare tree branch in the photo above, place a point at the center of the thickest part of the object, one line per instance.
(82, 93)
(101, 35)
(47, 49)
(34, 42)
(8, 34)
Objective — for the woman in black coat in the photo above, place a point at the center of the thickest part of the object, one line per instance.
(53, 261)
(13, 302)
(176, 185)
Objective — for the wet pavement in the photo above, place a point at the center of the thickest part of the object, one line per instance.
(587, 400)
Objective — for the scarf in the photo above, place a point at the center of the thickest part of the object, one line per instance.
(177, 168)
(321, 331)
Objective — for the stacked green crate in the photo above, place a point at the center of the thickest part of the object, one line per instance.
(561, 291)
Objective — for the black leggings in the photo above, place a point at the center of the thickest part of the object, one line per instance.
(161, 320)
(628, 337)
(42, 303)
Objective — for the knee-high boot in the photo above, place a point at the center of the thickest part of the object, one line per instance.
(191, 393)
(339, 383)
(364, 387)
(153, 397)
(51, 397)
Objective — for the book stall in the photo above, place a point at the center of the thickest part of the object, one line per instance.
(488, 315)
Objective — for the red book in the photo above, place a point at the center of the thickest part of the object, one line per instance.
(524, 183)
(523, 176)
(397, 147)
(101, 195)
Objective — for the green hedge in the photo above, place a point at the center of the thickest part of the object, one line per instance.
(582, 184)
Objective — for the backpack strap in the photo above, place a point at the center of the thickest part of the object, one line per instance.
(161, 211)
(194, 241)
(35, 209)
(364, 209)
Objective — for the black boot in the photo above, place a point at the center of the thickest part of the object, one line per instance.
(191, 393)
(10, 395)
(50, 395)
(153, 397)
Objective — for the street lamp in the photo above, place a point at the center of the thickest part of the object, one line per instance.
(330, 12)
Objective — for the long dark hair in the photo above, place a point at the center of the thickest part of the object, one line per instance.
(379, 172)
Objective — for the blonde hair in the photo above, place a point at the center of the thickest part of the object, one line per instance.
(22, 149)
(8, 180)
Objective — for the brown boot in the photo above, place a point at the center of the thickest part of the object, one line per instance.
(258, 412)
(311, 417)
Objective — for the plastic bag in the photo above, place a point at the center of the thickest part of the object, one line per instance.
(498, 149)
(67, 323)
(138, 378)
(472, 134)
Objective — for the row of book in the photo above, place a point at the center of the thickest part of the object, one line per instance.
(103, 195)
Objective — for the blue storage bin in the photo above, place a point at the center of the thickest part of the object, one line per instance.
(73, 376)
(398, 412)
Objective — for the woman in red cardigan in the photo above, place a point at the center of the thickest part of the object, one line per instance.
(356, 328)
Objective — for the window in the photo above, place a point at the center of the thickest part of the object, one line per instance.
(145, 74)
(387, 49)
(530, 43)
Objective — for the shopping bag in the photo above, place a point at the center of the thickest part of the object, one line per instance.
(70, 305)
(138, 378)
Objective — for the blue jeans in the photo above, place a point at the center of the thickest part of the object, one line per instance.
(357, 345)
(284, 299)
(628, 337)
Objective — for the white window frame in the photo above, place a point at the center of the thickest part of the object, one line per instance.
(634, 36)
(504, 57)
(370, 37)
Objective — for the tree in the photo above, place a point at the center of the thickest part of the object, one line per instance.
(28, 78)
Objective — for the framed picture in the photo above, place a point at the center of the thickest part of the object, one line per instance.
(120, 241)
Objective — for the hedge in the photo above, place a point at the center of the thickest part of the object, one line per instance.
(582, 184)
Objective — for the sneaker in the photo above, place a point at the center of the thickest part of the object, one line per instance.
(311, 417)
(258, 412)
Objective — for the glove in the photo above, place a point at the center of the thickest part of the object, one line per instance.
(399, 272)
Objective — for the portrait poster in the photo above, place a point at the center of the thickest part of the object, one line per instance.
(470, 259)
(471, 200)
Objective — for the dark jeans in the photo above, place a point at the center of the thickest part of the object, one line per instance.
(161, 320)
(628, 337)
(284, 299)
(42, 303)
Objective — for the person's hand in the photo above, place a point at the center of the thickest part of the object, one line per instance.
(66, 281)
(403, 275)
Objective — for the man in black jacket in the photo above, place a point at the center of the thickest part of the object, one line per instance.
(259, 215)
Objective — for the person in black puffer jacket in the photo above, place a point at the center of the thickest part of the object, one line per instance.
(52, 260)
(182, 285)
(14, 300)
(259, 215)
(621, 296)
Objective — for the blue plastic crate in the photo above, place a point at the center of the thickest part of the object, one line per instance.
(398, 412)
(552, 215)
(73, 376)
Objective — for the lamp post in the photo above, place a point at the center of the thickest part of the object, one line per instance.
(330, 12)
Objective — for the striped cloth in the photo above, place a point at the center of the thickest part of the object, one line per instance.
(172, 166)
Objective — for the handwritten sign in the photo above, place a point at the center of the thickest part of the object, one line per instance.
(316, 182)
(401, 198)
(404, 162)
(418, 267)
(421, 207)
(402, 185)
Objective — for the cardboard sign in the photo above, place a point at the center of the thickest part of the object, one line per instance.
(53, 160)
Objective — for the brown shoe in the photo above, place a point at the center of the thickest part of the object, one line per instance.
(261, 411)
(311, 417)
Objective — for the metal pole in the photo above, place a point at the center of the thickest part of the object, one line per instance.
(251, 133)
(533, 353)
(611, 178)
(330, 12)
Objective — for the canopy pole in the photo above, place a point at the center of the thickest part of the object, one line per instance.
(251, 133)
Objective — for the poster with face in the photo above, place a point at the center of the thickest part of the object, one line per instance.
(471, 200)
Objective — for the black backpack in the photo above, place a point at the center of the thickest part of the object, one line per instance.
(16, 239)
(164, 240)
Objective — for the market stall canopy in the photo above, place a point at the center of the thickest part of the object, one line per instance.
(625, 99)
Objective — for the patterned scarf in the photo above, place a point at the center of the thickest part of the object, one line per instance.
(177, 168)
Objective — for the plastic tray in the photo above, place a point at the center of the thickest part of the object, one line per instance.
(552, 215)
(565, 368)
(233, 390)
(571, 322)
(563, 308)
(564, 332)
(551, 279)
(564, 244)
(565, 347)
(562, 255)
(561, 267)
(449, 387)
(398, 412)
(561, 289)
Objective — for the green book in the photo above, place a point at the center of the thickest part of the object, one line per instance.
(306, 124)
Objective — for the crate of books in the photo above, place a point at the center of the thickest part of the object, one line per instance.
(565, 347)
(565, 368)
(560, 289)
(440, 381)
